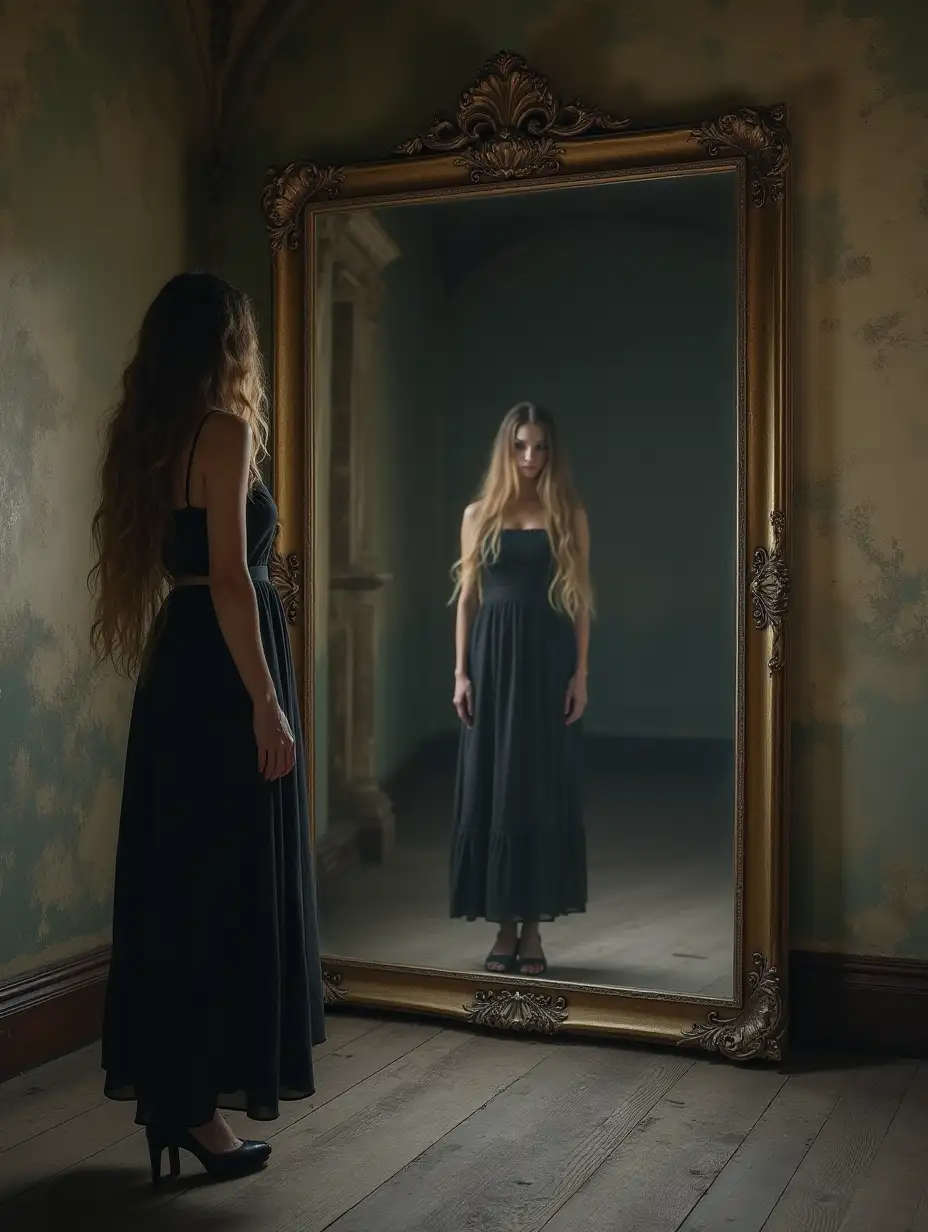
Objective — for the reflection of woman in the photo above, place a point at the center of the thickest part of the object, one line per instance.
(523, 618)
(215, 995)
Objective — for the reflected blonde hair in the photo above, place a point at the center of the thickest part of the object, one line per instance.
(570, 590)
(197, 350)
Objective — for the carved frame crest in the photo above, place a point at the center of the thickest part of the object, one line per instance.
(510, 132)
(507, 125)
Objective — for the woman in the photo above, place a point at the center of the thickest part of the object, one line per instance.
(214, 997)
(521, 643)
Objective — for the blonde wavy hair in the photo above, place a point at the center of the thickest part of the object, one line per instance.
(570, 590)
(197, 350)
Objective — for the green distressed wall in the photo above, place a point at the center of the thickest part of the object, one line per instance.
(99, 129)
(354, 78)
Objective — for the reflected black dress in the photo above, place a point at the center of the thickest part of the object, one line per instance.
(214, 996)
(518, 849)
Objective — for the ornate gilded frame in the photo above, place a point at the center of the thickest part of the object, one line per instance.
(509, 130)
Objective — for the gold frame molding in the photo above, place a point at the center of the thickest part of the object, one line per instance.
(510, 132)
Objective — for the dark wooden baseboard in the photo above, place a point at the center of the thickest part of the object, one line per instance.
(843, 1001)
(51, 1012)
(863, 1004)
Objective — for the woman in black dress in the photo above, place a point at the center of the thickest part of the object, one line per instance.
(214, 997)
(518, 852)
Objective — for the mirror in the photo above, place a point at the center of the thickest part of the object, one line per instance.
(614, 308)
(569, 358)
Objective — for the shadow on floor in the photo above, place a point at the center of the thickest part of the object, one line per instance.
(107, 1199)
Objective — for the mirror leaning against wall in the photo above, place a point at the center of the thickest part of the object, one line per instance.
(531, 454)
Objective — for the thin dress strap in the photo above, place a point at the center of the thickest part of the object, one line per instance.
(193, 449)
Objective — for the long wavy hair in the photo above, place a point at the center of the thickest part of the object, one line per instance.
(570, 590)
(197, 351)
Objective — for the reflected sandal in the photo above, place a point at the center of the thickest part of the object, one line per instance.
(506, 963)
(523, 966)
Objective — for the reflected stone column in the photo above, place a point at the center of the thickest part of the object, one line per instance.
(356, 793)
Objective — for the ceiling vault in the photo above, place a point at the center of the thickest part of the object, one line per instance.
(237, 39)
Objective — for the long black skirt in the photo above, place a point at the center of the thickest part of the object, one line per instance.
(215, 993)
(518, 849)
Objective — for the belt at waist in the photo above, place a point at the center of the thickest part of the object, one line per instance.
(528, 594)
(257, 573)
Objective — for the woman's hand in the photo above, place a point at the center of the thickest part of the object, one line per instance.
(274, 737)
(464, 700)
(575, 702)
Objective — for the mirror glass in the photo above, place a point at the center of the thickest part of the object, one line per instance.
(614, 309)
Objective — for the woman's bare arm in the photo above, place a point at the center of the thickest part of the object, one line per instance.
(467, 598)
(224, 454)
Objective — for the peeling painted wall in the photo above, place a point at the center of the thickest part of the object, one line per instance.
(354, 78)
(98, 132)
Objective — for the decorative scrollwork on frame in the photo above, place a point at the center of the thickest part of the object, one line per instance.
(332, 991)
(756, 1033)
(771, 591)
(518, 1011)
(284, 572)
(513, 158)
(762, 136)
(287, 193)
(506, 125)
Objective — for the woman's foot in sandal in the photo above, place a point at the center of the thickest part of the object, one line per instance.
(502, 958)
(531, 957)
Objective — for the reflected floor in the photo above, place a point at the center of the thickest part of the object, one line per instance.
(660, 913)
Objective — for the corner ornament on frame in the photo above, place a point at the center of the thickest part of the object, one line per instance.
(771, 591)
(287, 192)
(284, 572)
(762, 137)
(525, 1012)
(756, 1033)
(332, 991)
(506, 126)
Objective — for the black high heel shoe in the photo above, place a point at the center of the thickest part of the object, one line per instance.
(222, 1166)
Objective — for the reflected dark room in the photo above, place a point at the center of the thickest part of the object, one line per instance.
(617, 308)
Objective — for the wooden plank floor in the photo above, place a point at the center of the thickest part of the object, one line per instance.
(419, 1127)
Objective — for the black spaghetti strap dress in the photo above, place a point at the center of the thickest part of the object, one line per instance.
(214, 997)
(518, 848)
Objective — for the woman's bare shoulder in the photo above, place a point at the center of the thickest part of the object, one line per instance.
(225, 437)
(226, 426)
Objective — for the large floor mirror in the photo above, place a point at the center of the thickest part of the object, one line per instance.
(576, 329)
